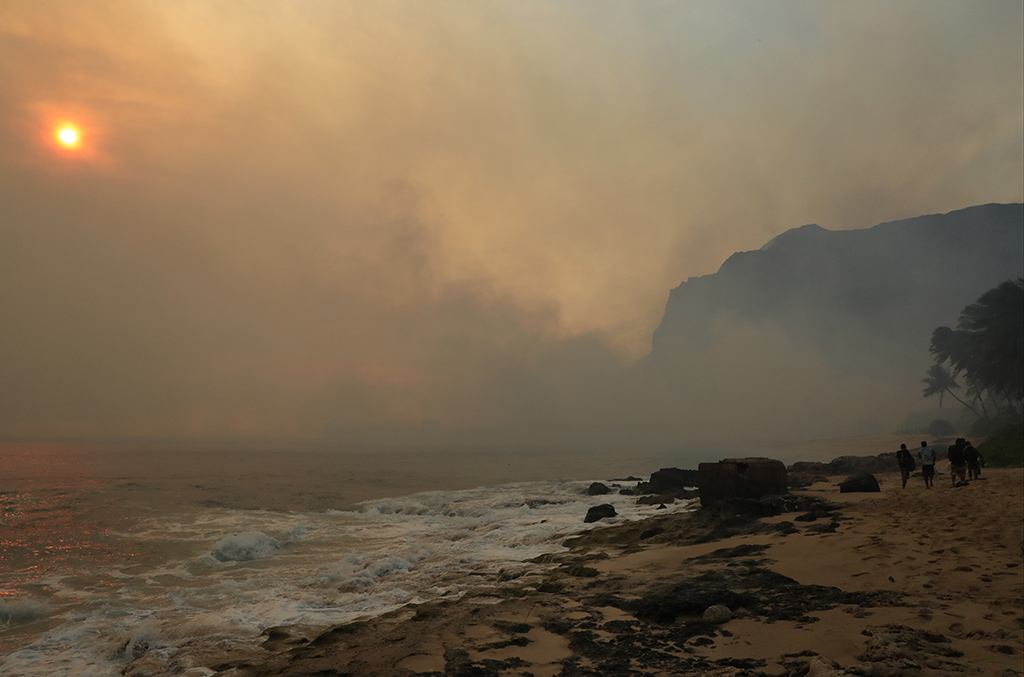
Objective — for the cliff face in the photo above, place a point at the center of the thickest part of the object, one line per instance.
(857, 304)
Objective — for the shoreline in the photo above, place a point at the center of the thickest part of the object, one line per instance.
(898, 582)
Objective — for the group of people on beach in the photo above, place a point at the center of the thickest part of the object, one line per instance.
(964, 461)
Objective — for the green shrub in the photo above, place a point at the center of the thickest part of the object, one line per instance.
(1005, 449)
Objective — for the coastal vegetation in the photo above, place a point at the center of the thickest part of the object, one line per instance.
(984, 355)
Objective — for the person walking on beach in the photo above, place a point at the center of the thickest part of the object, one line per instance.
(906, 463)
(927, 457)
(973, 459)
(957, 463)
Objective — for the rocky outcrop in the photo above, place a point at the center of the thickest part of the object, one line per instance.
(861, 302)
(665, 486)
(752, 587)
(600, 512)
(667, 480)
(740, 478)
(598, 489)
(864, 482)
(855, 465)
(804, 473)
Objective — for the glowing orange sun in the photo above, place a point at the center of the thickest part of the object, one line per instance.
(68, 136)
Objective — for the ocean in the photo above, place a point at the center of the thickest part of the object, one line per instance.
(111, 551)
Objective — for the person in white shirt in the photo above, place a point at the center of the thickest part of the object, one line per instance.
(927, 457)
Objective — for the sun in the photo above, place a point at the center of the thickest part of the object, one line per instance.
(68, 135)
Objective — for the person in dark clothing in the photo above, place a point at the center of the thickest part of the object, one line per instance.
(973, 459)
(906, 463)
(927, 456)
(957, 463)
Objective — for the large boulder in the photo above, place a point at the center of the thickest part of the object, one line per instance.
(599, 512)
(864, 482)
(598, 489)
(805, 473)
(668, 480)
(717, 614)
(740, 478)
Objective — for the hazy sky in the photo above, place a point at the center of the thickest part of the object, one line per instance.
(295, 219)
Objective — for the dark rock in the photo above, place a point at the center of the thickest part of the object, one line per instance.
(902, 648)
(728, 518)
(684, 599)
(717, 614)
(654, 499)
(514, 628)
(661, 506)
(743, 550)
(598, 489)
(740, 478)
(673, 479)
(580, 571)
(810, 467)
(803, 474)
(760, 591)
(505, 643)
(859, 483)
(599, 512)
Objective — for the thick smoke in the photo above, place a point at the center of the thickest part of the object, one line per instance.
(444, 224)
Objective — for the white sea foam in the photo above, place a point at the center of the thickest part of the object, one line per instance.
(245, 546)
(14, 611)
(326, 567)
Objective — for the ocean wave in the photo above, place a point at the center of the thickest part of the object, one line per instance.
(245, 546)
(14, 611)
(359, 571)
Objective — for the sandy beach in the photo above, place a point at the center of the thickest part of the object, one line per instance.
(910, 581)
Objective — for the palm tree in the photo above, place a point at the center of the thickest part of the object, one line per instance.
(989, 341)
(940, 381)
(986, 348)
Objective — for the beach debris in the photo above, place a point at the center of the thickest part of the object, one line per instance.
(717, 614)
(598, 489)
(600, 512)
(864, 482)
(740, 478)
